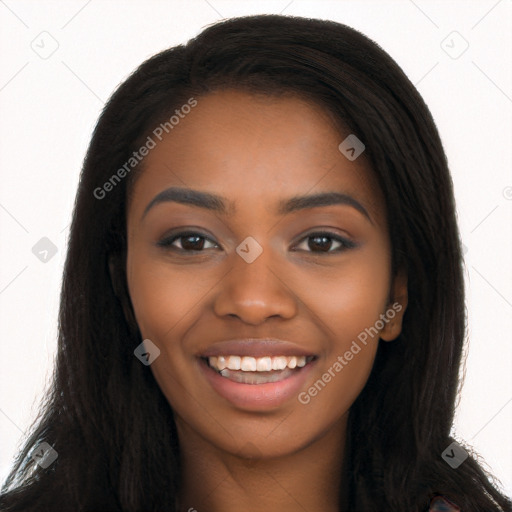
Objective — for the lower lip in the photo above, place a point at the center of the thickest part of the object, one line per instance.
(257, 397)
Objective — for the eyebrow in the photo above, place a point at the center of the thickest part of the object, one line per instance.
(219, 205)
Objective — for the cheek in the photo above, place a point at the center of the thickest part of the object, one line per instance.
(350, 297)
(162, 297)
(350, 317)
(162, 294)
(350, 306)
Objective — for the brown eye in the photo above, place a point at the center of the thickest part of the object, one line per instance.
(323, 242)
(189, 241)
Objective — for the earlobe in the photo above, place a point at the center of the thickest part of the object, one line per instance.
(396, 308)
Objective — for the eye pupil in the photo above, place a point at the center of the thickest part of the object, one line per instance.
(191, 246)
(322, 245)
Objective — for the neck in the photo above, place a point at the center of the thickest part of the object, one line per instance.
(310, 478)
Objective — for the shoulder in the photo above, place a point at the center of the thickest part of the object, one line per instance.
(441, 504)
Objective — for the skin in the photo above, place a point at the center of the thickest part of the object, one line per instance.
(256, 151)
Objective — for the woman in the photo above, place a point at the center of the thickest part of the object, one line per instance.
(263, 303)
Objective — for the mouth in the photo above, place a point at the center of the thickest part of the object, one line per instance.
(258, 382)
(257, 370)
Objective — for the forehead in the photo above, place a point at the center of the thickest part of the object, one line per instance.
(258, 148)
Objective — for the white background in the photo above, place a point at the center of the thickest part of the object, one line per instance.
(49, 107)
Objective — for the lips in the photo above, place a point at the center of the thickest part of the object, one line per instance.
(256, 374)
(255, 347)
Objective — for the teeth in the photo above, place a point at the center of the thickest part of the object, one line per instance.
(256, 377)
(257, 364)
(302, 360)
(279, 363)
(264, 364)
(248, 364)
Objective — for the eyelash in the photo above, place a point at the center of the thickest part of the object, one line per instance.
(167, 242)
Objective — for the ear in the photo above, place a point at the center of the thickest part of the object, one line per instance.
(118, 280)
(396, 307)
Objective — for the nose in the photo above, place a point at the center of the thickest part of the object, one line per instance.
(255, 291)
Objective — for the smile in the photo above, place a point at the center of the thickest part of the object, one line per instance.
(257, 370)
(257, 383)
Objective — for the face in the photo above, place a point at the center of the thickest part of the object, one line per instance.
(258, 263)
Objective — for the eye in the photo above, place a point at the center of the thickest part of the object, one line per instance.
(322, 242)
(189, 240)
(193, 241)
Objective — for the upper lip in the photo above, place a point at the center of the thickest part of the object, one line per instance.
(255, 347)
